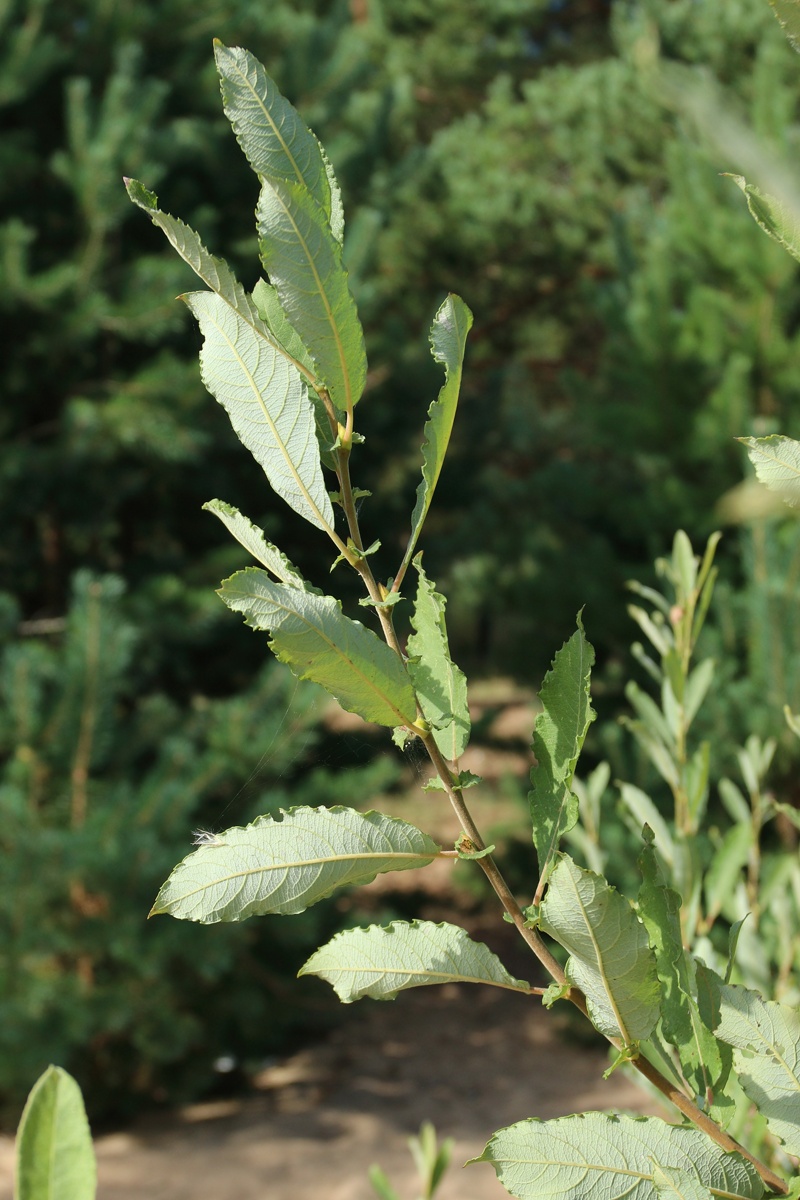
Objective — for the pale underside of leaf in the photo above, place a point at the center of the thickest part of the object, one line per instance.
(55, 1158)
(268, 405)
(316, 639)
(440, 685)
(777, 463)
(285, 866)
(766, 1041)
(558, 737)
(271, 132)
(675, 1184)
(304, 263)
(598, 1157)
(213, 271)
(448, 337)
(252, 538)
(380, 962)
(273, 316)
(610, 957)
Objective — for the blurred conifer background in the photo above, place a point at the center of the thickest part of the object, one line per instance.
(631, 320)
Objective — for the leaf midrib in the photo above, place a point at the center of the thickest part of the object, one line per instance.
(263, 869)
(348, 396)
(600, 1167)
(600, 967)
(403, 719)
(273, 126)
(271, 424)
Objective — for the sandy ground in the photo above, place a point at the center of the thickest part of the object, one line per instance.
(470, 1059)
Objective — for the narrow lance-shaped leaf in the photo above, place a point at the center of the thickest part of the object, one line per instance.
(704, 1061)
(777, 463)
(304, 264)
(766, 1041)
(268, 405)
(596, 1157)
(380, 962)
(254, 541)
(55, 1159)
(273, 316)
(285, 866)
(312, 634)
(440, 685)
(610, 957)
(448, 338)
(216, 273)
(271, 132)
(213, 271)
(558, 738)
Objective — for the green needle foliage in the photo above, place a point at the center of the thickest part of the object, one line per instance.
(633, 969)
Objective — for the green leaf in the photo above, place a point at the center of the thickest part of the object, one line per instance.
(766, 1041)
(270, 131)
(610, 957)
(725, 869)
(381, 1184)
(55, 1159)
(304, 264)
(448, 338)
(705, 1063)
(285, 866)
(268, 405)
(644, 812)
(380, 962)
(337, 208)
(788, 14)
(254, 541)
(262, 347)
(213, 271)
(777, 463)
(775, 216)
(269, 309)
(440, 685)
(675, 1184)
(312, 634)
(596, 1157)
(558, 737)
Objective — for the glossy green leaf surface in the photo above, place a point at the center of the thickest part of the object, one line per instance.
(777, 463)
(597, 1157)
(558, 737)
(610, 957)
(269, 129)
(254, 541)
(440, 685)
(268, 405)
(304, 263)
(55, 1158)
(380, 962)
(704, 1061)
(766, 1041)
(285, 866)
(448, 338)
(312, 634)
